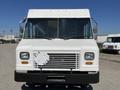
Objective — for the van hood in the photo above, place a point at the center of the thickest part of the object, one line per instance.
(57, 44)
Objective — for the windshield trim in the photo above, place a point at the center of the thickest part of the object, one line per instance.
(113, 40)
(58, 26)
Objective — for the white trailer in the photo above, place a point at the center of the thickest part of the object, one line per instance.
(57, 47)
(112, 43)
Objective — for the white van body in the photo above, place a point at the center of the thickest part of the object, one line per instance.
(43, 60)
(112, 43)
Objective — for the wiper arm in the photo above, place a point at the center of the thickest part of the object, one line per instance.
(72, 37)
(77, 37)
(43, 37)
(47, 38)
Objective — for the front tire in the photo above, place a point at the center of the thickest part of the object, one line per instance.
(86, 87)
(31, 85)
(118, 52)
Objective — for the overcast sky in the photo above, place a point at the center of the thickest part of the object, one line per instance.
(105, 12)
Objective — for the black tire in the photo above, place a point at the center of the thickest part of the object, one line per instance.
(70, 86)
(31, 85)
(118, 52)
(86, 87)
(25, 87)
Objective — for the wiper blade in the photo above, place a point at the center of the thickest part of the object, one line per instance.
(44, 38)
(72, 37)
(76, 37)
(47, 38)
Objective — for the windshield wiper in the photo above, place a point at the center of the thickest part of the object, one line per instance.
(73, 37)
(44, 37)
(47, 38)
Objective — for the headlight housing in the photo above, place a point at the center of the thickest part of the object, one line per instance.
(24, 55)
(89, 56)
(115, 46)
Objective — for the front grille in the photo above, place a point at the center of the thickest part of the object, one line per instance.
(61, 61)
(110, 47)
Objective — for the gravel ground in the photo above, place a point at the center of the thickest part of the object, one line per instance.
(109, 71)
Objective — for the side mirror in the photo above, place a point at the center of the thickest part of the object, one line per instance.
(95, 30)
(21, 27)
(21, 32)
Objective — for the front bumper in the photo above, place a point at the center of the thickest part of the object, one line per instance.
(57, 77)
(110, 50)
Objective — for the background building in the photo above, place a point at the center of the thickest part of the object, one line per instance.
(9, 39)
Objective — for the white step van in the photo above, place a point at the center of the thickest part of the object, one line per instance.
(112, 43)
(57, 47)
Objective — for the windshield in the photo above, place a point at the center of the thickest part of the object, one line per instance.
(113, 39)
(63, 28)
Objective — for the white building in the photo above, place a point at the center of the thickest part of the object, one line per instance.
(8, 37)
(1, 37)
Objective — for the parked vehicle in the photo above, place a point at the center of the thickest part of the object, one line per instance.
(1, 41)
(112, 43)
(57, 47)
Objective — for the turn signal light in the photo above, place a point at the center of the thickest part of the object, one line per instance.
(88, 63)
(24, 62)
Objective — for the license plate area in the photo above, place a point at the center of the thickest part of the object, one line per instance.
(110, 47)
(60, 79)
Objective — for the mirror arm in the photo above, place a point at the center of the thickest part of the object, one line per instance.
(21, 27)
(95, 21)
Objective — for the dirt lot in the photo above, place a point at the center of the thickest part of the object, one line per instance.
(109, 71)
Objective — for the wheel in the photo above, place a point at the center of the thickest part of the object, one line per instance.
(70, 86)
(27, 86)
(119, 52)
(86, 87)
(31, 85)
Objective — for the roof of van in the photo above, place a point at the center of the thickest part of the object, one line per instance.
(58, 13)
(114, 35)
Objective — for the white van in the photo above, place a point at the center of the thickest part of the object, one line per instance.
(57, 47)
(112, 43)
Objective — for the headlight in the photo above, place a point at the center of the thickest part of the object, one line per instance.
(104, 46)
(24, 55)
(115, 46)
(89, 56)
